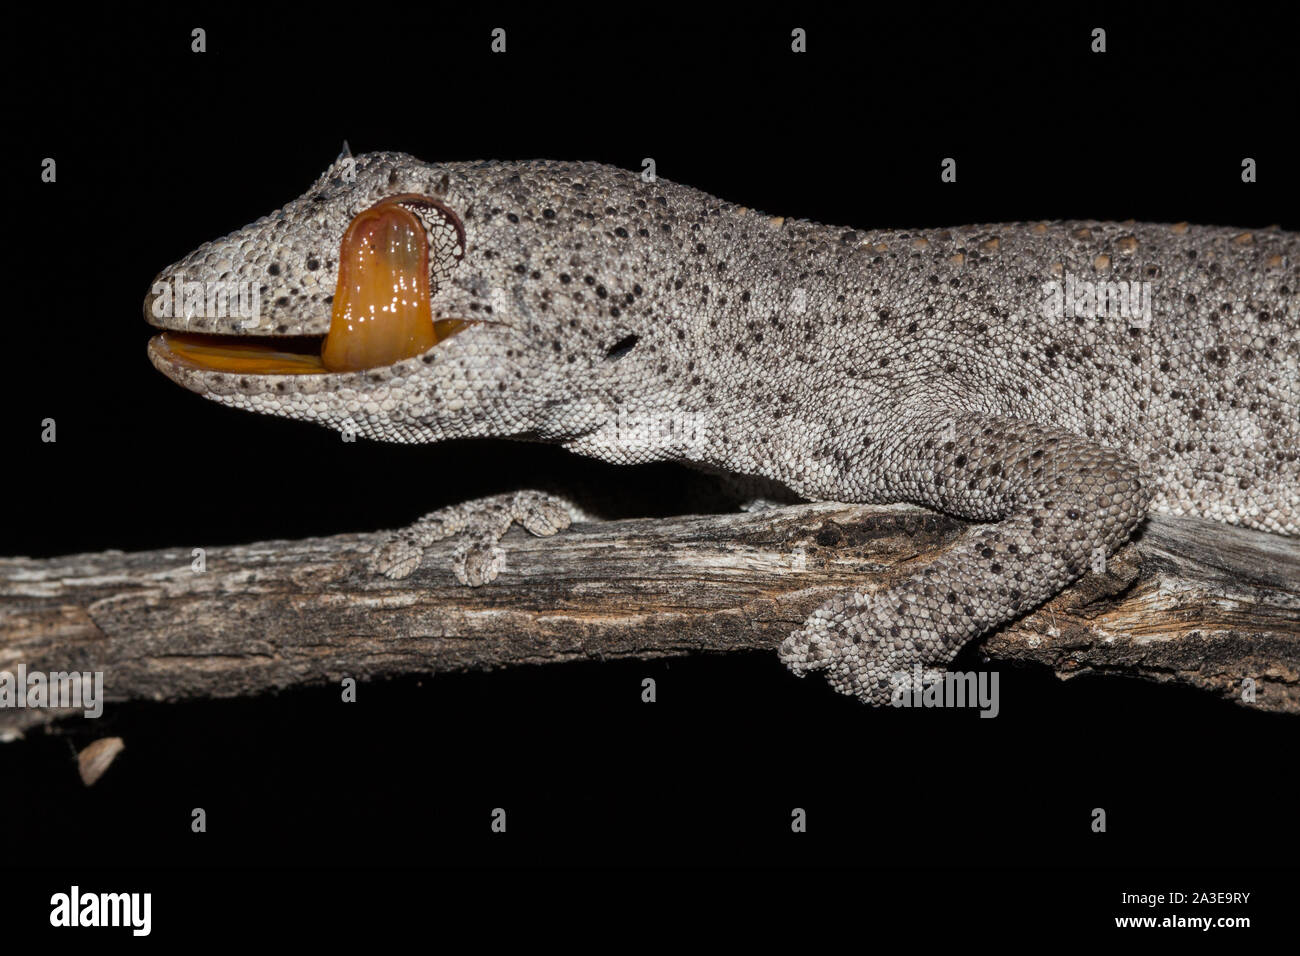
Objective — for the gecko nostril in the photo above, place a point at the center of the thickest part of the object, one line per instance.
(620, 348)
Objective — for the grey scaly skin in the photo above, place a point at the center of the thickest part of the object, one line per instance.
(638, 321)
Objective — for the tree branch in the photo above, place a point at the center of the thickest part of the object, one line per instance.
(1190, 601)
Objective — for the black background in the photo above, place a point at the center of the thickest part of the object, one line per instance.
(159, 149)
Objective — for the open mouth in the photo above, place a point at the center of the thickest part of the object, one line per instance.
(381, 311)
(260, 355)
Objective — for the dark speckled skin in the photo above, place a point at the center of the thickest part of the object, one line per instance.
(636, 321)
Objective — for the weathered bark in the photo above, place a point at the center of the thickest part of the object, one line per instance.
(1189, 601)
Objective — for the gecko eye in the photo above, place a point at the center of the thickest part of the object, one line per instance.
(442, 227)
(393, 255)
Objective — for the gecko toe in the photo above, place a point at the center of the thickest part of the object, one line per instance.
(395, 559)
(808, 649)
(476, 563)
(544, 518)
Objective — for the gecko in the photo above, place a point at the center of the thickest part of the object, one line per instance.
(1049, 382)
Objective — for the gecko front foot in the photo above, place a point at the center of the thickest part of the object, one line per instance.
(864, 647)
(481, 523)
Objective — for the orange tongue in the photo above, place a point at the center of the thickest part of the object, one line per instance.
(381, 305)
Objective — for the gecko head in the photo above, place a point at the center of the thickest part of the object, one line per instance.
(387, 301)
